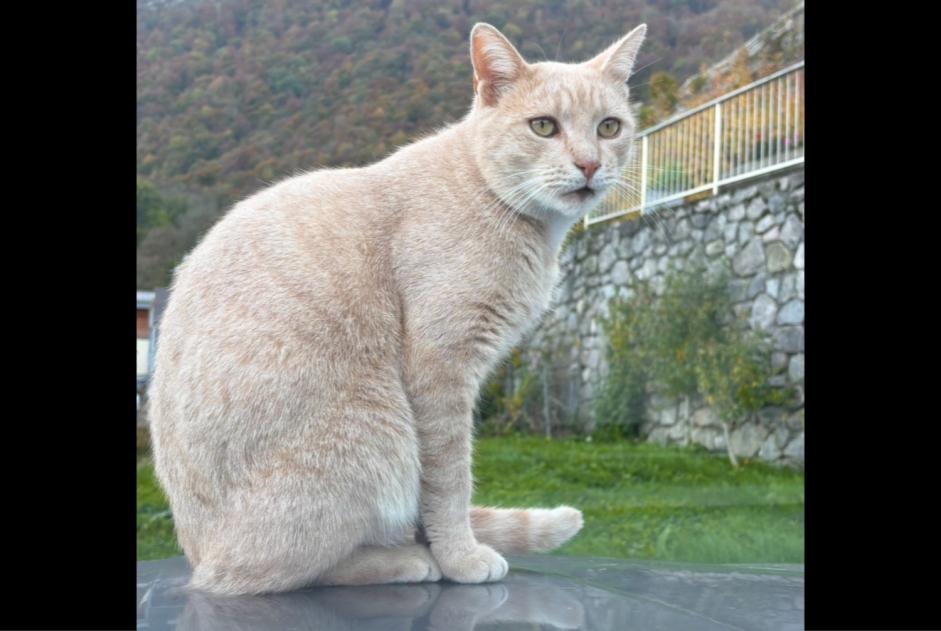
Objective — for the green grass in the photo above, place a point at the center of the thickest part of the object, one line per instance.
(641, 501)
(155, 538)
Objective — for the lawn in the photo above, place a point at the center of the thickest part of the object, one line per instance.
(155, 538)
(641, 501)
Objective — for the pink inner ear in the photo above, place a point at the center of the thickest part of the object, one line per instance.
(483, 71)
(480, 60)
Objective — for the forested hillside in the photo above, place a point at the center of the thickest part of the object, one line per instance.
(235, 94)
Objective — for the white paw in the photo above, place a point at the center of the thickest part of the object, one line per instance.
(419, 567)
(481, 564)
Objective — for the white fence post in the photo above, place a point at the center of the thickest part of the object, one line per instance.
(643, 174)
(717, 150)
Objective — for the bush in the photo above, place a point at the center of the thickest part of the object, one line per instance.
(683, 343)
(503, 401)
(622, 399)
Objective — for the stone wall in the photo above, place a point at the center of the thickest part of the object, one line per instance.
(756, 231)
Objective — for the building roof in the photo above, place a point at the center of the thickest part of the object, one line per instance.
(145, 299)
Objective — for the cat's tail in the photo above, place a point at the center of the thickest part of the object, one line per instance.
(514, 530)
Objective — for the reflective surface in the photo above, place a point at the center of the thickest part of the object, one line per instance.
(540, 592)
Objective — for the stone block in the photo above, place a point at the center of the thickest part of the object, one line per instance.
(795, 449)
(705, 436)
(795, 370)
(769, 449)
(705, 417)
(776, 203)
(607, 258)
(744, 193)
(756, 208)
(789, 339)
(751, 259)
(763, 313)
(792, 232)
(620, 274)
(792, 313)
(764, 224)
(715, 248)
(738, 290)
(772, 235)
(746, 440)
(779, 257)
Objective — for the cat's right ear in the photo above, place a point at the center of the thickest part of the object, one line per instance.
(617, 61)
(497, 64)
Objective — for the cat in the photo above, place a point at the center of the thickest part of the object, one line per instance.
(324, 344)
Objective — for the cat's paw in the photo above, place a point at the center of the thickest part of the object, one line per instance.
(480, 564)
(422, 568)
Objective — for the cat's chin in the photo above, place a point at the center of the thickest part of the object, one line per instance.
(564, 209)
(576, 204)
(580, 196)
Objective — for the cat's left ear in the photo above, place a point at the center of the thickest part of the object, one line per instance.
(617, 61)
(497, 64)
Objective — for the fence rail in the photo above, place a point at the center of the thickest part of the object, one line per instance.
(756, 129)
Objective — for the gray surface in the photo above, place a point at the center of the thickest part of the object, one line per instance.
(540, 592)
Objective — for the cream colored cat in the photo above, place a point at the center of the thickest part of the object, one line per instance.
(324, 344)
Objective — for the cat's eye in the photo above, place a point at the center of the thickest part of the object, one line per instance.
(609, 128)
(544, 126)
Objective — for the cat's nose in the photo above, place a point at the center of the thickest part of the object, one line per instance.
(588, 167)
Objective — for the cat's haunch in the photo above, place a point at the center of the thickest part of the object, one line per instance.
(324, 344)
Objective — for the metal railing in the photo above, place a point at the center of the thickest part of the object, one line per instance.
(756, 129)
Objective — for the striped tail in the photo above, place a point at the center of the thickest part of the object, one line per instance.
(515, 530)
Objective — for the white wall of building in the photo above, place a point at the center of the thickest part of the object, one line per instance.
(143, 353)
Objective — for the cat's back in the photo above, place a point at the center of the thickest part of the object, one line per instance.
(290, 283)
(286, 248)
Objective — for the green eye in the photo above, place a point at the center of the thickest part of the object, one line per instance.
(544, 126)
(609, 128)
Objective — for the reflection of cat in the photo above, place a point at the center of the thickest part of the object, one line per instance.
(324, 344)
(441, 607)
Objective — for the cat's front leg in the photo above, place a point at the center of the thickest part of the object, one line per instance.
(442, 401)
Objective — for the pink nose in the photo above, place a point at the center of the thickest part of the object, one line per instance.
(588, 168)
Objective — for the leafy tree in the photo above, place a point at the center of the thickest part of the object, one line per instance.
(233, 94)
(154, 210)
(664, 90)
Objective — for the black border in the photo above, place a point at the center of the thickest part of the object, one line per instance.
(68, 467)
(871, 551)
(68, 464)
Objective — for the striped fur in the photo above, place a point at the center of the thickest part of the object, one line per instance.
(518, 530)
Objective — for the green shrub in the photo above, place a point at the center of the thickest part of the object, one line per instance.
(503, 400)
(684, 343)
(622, 399)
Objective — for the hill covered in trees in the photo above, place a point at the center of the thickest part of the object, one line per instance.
(235, 94)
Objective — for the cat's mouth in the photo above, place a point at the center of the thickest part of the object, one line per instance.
(582, 193)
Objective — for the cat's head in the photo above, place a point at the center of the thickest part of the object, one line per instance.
(551, 138)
